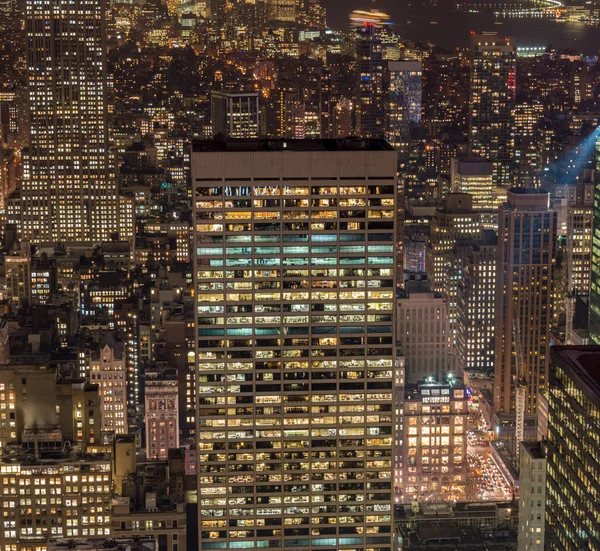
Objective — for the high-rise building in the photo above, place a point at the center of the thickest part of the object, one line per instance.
(108, 370)
(424, 336)
(162, 412)
(476, 312)
(370, 113)
(594, 324)
(235, 115)
(404, 98)
(524, 283)
(532, 496)
(435, 441)
(454, 226)
(456, 220)
(295, 292)
(527, 115)
(573, 474)
(474, 176)
(579, 246)
(491, 103)
(69, 193)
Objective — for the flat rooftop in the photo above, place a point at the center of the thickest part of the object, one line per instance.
(584, 361)
(342, 144)
(535, 449)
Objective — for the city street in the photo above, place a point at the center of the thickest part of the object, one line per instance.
(486, 481)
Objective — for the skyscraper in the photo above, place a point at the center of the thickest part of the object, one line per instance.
(491, 103)
(594, 325)
(474, 176)
(295, 288)
(476, 299)
(572, 510)
(453, 228)
(404, 98)
(235, 115)
(70, 193)
(370, 116)
(524, 282)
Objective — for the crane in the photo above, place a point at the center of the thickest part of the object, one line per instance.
(520, 388)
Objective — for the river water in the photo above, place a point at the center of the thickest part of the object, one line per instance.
(442, 24)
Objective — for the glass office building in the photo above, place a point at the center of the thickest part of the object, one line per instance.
(573, 475)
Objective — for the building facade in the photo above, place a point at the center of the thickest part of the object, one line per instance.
(235, 115)
(435, 441)
(424, 336)
(454, 226)
(491, 103)
(108, 370)
(524, 282)
(532, 496)
(476, 306)
(162, 412)
(295, 288)
(370, 113)
(67, 498)
(573, 473)
(404, 99)
(474, 176)
(69, 193)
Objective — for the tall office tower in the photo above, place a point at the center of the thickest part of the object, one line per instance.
(527, 115)
(524, 282)
(579, 245)
(454, 221)
(70, 193)
(474, 176)
(476, 300)
(532, 496)
(295, 293)
(235, 115)
(594, 324)
(491, 103)
(435, 442)
(424, 336)
(404, 98)
(573, 475)
(370, 114)
(453, 227)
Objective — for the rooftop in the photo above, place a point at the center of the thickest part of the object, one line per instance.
(343, 144)
(584, 362)
(133, 544)
(535, 449)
